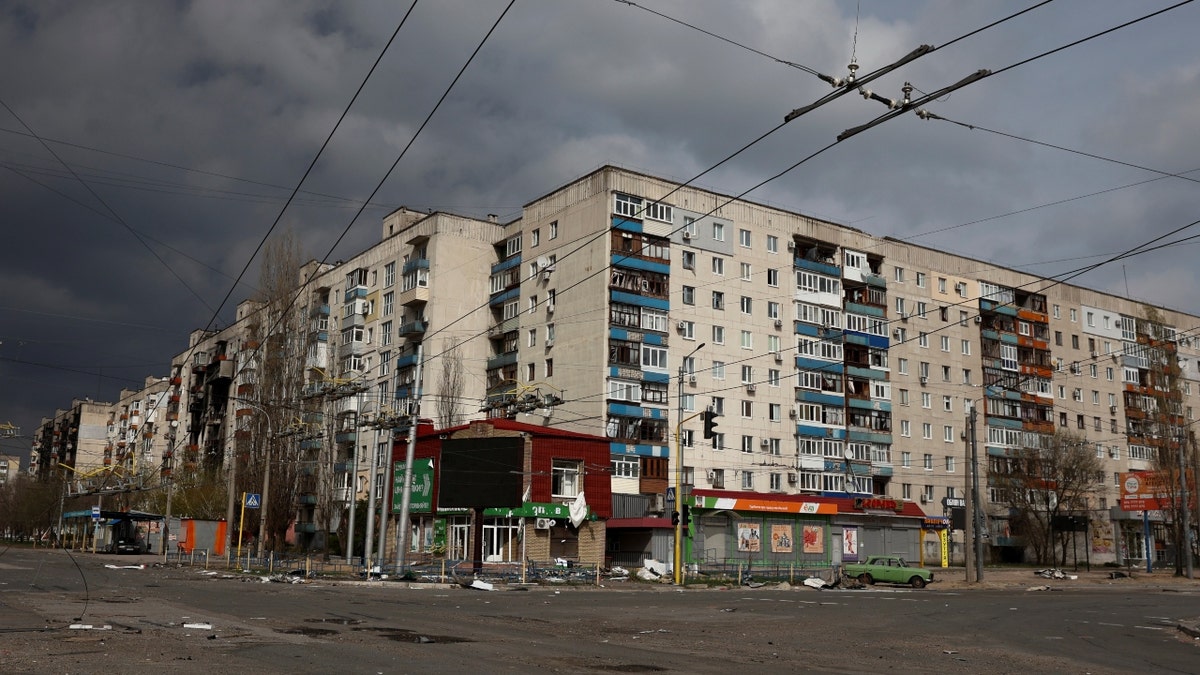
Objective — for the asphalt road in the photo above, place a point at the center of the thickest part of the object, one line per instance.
(385, 627)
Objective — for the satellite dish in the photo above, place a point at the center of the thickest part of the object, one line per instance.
(543, 262)
(848, 454)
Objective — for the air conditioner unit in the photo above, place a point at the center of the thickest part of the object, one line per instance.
(366, 308)
(657, 504)
(904, 316)
(550, 308)
(1114, 356)
(686, 235)
(545, 276)
(792, 413)
(896, 333)
(778, 357)
(543, 523)
(779, 323)
(791, 246)
(1112, 410)
(978, 320)
(692, 380)
(924, 380)
(549, 343)
(792, 478)
(924, 499)
(681, 325)
(750, 389)
(766, 443)
(1095, 353)
(712, 476)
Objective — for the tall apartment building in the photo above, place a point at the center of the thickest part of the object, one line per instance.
(841, 363)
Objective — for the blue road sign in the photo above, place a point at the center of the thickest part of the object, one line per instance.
(253, 500)
(671, 494)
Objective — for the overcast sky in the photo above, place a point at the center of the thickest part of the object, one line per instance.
(189, 123)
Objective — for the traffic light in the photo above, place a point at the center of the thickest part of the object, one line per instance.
(674, 517)
(710, 422)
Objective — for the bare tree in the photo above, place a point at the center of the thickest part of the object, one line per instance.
(274, 370)
(1041, 484)
(451, 385)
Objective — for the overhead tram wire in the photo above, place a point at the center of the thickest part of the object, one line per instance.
(842, 87)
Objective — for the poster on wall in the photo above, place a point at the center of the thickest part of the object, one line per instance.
(749, 537)
(850, 544)
(781, 539)
(814, 539)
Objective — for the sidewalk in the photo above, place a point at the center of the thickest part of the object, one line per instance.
(1025, 577)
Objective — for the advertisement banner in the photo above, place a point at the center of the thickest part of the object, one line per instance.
(749, 537)
(850, 544)
(781, 539)
(814, 539)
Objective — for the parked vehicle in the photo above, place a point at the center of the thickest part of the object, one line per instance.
(890, 569)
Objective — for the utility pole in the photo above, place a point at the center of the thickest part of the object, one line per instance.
(404, 530)
(677, 514)
(1185, 510)
(977, 521)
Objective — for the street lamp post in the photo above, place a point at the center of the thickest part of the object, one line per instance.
(678, 508)
(976, 510)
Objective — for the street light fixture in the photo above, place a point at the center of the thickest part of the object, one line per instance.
(708, 424)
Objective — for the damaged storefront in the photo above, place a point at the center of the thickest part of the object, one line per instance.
(779, 534)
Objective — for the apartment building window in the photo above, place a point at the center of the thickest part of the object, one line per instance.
(531, 372)
(688, 260)
(1096, 423)
(905, 428)
(1079, 422)
(549, 367)
(773, 377)
(747, 480)
(776, 482)
(747, 340)
(385, 333)
(906, 460)
(1074, 315)
(775, 412)
(1095, 397)
(903, 397)
(906, 491)
(772, 310)
(927, 434)
(688, 332)
(389, 274)
(928, 462)
(553, 229)
(718, 300)
(941, 284)
(718, 441)
(689, 295)
(945, 343)
(944, 313)
(921, 309)
(747, 444)
(923, 369)
(899, 274)
(718, 231)
(966, 347)
(772, 244)
(565, 477)
(773, 278)
(718, 335)
(1074, 342)
(747, 409)
(902, 366)
(718, 266)
(746, 272)
(1058, 338)
(949, 463)
(928, 493)
(623, 467)
(923, 339)
(1057, 312)
(948, 403)
(920, 280)
(948, 436)
(535, 237)
(532, 337)
(744, 238)
(718, 370)
(1062, 419)
(747, 305)
(945, 373)
(747, 374)
(385, 363)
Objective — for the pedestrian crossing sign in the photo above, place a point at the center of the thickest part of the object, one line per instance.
(253, 500)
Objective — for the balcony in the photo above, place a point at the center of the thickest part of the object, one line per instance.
(414, 296)
(346, 437)
(414, 265)
(306, 528)
(412, 329)
(504, 327)
(506, 359)
(342, 494)
(307, 499)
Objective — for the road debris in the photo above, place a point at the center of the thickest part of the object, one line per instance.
(482, 585)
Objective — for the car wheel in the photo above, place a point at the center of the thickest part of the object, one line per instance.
(917, 582)
(866, 578)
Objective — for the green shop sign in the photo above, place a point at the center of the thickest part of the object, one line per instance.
(421, 498)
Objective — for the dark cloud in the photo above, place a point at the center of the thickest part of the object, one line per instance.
(243, 95)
